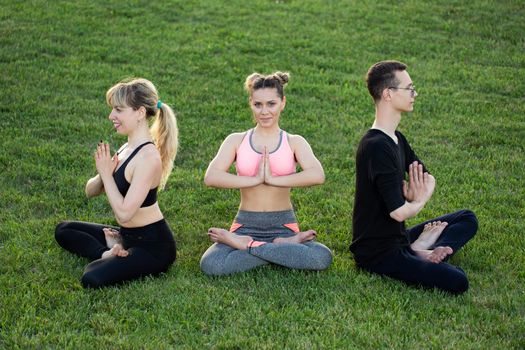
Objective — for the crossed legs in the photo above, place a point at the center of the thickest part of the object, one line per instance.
(432, 243)
(236, 253)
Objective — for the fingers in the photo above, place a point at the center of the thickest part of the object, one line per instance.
(103, 149)
(412, 173)
(420, 172)
(415, 172)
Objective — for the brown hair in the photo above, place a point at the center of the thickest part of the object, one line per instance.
(382, 75)
(277, 80)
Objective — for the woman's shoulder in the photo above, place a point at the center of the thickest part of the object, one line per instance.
(236, 137)
(150, 155)
(295, 139)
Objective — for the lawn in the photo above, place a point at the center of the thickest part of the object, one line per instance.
(57, 59)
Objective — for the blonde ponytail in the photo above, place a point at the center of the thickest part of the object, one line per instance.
(166, 137)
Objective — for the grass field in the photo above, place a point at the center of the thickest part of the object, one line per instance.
(57, 59)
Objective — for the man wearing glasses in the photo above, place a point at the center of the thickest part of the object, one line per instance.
(384, 200)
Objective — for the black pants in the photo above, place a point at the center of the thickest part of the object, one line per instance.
(406, 266)
(151, 251)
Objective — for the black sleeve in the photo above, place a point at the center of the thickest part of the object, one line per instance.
(385, 177)
(410, 155)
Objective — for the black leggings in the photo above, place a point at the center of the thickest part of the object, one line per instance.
(408, 267)
(151, 251)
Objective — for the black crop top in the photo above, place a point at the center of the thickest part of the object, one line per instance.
(123, 184)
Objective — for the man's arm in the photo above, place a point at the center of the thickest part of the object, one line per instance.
(417, 193)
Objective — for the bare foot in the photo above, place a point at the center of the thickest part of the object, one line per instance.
(116, 250)
(429, 236)
(299, 237)
(219, 235)
(112, 237)
(436, 256)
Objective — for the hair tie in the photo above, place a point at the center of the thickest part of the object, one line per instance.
(159, 104)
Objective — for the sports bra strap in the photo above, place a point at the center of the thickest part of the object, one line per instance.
(135, 151)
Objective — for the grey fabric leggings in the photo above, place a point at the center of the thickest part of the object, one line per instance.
(221, 259)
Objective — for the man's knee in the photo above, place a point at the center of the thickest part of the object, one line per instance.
(469, 217)
(459, 284)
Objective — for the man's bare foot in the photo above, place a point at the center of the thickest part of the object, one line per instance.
(112, 237)
(429, 236)
(116, 250)
(299, 237)
(219, 235)
(435, 256)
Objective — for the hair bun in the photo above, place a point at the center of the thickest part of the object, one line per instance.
(283, 78)
(251, 79)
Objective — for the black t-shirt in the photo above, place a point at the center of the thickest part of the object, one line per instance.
(380, 169)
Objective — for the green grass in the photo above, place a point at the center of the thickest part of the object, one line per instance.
(57, 60)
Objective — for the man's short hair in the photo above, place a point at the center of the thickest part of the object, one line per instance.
(381, 76)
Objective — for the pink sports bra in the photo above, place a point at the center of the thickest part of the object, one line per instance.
(247, 160)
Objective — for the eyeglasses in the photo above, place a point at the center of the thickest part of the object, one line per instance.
(412, 90)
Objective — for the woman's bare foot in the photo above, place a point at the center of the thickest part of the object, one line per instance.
(435, 256)
(299, 237)
(112, 237)
(429, 236)
(116, 250)
(219, 235)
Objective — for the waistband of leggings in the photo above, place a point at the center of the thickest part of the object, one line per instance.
(265, 217)
(160, 226)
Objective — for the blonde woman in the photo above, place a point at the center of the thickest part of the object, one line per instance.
(265, 229)
(143, 244)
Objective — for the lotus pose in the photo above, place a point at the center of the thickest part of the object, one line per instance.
(265, 230)
(384, 200)
(143, 244)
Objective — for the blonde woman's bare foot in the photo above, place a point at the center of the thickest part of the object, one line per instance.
(116, 250)
(299, 237)
(112, 237)
(429, 236)
(219, 235)
(435, 256)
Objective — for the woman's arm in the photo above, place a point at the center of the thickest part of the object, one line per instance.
(147, 170)
(217, 174)
(94, 187)
(312, 171)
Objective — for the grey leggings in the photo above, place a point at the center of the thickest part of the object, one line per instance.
(221, 259)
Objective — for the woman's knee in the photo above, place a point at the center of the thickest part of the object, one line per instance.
(210, 266)
(61, 230)
(92, 280)
(324, 257)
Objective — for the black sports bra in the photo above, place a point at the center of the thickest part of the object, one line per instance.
(123, 184)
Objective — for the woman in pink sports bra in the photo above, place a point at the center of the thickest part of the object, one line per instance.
(265, 229)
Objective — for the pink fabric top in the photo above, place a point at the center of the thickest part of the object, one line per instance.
(247, 160)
